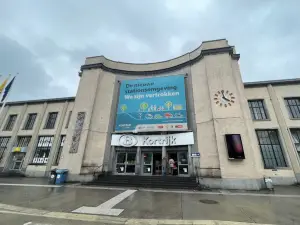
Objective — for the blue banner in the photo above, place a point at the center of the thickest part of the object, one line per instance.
(152, 104)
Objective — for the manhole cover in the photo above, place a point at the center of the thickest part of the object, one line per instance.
(207, 201)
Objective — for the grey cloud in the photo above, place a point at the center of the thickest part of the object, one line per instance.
(58, 35)
(32, 81)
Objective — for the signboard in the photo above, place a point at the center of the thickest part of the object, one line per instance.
(152, 104)
(19, 149)
(152, 140)
(195, 154)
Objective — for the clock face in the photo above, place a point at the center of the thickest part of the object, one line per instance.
(224, 98)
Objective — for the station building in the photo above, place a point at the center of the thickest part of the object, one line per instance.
(131, 119)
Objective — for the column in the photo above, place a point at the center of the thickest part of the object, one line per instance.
(56, 140)
(191, 166)
(284, 130)
(164, 160)
(138, 161)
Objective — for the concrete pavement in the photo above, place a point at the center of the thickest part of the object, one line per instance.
(280, 207)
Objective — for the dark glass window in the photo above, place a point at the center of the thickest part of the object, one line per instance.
(42, 150)
(30, 121)
(10, 122)
(296, 139)
(257, 109)
(23, 141)
(271, 149)
(3, 146)
(50, 123)
(293, 106)
(234, 146)
(68, 120)
(60, 148)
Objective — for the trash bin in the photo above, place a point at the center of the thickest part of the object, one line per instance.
(52, 177)
(61, 176)
(269, 183)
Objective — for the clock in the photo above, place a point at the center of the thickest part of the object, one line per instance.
(224, 98)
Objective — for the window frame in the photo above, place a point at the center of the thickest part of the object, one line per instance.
(8, 122)
(48, 122)
(297, 130)
(42, 149)
(263, 107)
(3, 148)
(285, 161)
(18, 142)
(25, 127)
(288, 107)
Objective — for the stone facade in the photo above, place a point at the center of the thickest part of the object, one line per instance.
(209, 69)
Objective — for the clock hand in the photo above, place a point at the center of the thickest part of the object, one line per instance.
(225, 98)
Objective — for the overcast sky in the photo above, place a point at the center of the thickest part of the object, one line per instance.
(47, 41)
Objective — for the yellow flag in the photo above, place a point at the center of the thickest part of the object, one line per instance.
(2, 86)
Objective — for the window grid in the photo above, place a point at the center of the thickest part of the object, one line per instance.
(42, 150)
(270, 149)
(296, 139)
(30, 121)
(3, 146)
(50, 124)
(62, 141)
(68, 120)
(257, 109)
(23, 141)
(10, 122)
(293, 106)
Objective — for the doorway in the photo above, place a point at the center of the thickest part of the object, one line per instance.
(17, 160)
(152, 163)
(157, 163)
(172, 171)
(181, 165)
(125, 162)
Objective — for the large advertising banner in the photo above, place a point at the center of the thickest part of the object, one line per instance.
(152, 104)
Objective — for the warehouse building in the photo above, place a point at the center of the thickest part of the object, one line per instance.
(188, 116)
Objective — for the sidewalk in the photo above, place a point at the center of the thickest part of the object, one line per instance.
(278, 190)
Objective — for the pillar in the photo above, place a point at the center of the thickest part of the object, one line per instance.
(164, 160)
(138, 161)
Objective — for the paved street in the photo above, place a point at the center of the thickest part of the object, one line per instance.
(24, 202)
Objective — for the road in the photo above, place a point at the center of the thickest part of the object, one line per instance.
(32, 202)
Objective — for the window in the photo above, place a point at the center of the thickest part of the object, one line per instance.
(3, 146)
(30, 121)
(42, 150)
(257, 109)
(10, 122)
(296, 139)
(50, 124)
(270, 149)
(293, 106)
(62, 141)
(68, 120)
(23, 141)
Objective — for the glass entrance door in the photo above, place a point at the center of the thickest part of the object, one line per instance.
(17, 160)
(183, 163)
(147, 163)
(125, 163)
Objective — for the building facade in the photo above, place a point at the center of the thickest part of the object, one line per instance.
(133, 118)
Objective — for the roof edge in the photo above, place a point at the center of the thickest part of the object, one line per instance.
(272, 82)
(39, 101)
(71, 99)
(206, 48)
